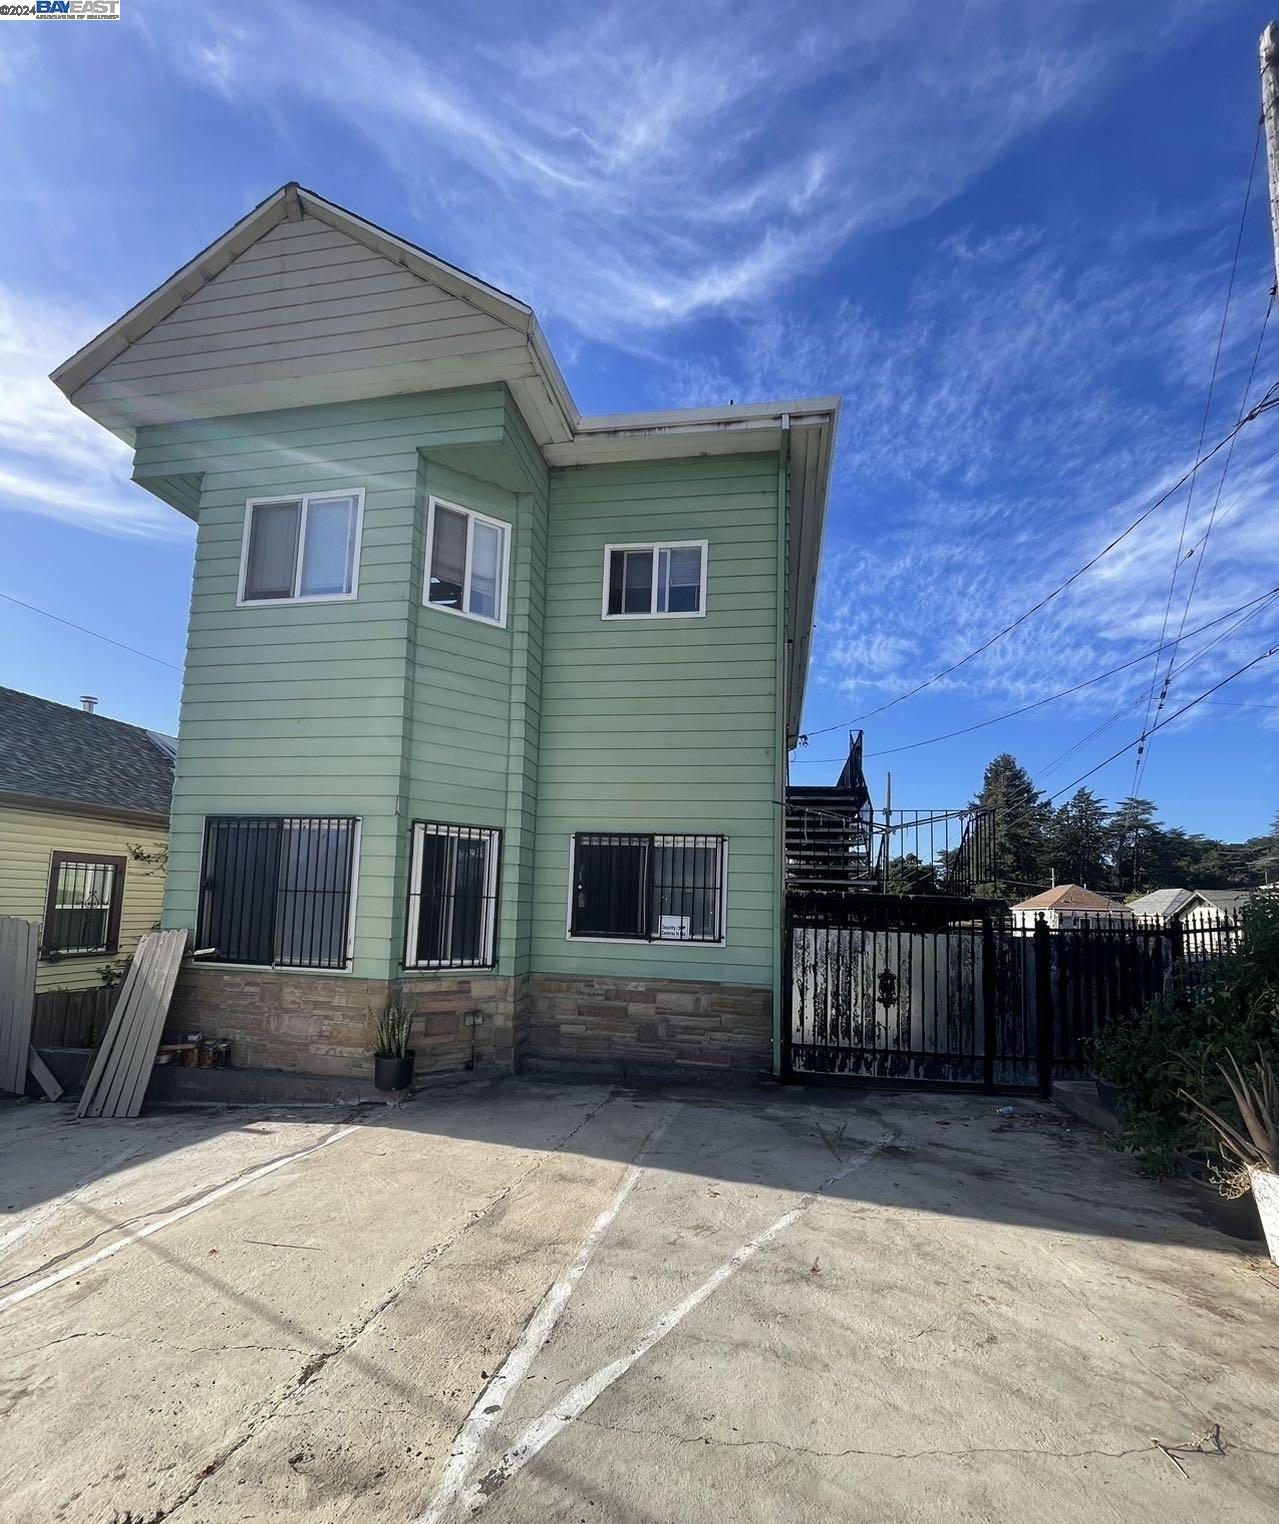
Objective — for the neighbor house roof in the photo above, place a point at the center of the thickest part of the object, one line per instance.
(1071, 897)
(804, 428)
(55, 755)
(1165, 902)
(1225, 900)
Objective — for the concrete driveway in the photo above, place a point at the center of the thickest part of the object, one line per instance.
(531, 1301)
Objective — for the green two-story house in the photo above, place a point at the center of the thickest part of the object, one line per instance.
(486, 704)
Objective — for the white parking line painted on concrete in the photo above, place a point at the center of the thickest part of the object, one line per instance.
(543, 1430)
(167, 1220)
(52, 1207)
(488, 1406)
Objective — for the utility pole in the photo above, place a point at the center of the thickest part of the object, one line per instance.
(1270, 121)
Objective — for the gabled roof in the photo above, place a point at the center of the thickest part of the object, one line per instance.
(1164, 902)
(1225, 900)
(56, 755)
(1072, 897)
(804, 429)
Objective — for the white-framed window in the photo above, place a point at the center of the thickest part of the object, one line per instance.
(637, 887)
(301, 549)
(655, 581)
(466, 562)
(452, 909)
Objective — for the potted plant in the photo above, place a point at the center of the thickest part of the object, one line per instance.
(1257, 1147)
(392, 1056)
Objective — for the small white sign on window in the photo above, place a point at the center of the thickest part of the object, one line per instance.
(676, 928)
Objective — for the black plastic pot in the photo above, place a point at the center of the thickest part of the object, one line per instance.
(393, 1073)
(1237, 1219)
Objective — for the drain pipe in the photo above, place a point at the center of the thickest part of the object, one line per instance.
(782, 739)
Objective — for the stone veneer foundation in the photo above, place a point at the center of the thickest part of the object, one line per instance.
(647, 1026)
(323, 1023)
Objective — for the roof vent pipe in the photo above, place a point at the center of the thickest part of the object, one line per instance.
(88, 702)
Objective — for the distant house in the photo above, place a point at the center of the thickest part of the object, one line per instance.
(1214, 904)
(84, 822)
(1066, 906)
(1163, 905)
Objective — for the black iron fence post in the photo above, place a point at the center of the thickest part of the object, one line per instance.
(1044, 1023)
(989, 995)
(787, 992)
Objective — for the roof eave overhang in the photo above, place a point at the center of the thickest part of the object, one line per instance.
(78, 807)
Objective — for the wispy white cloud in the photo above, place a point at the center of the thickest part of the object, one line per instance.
(1023, 406)
(628, 170)
(53, 460)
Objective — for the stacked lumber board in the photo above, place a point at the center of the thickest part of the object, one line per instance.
(122, 1065)
(17, 999)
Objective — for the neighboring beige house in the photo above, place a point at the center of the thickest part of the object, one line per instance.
(1066, 906)
(84, 825)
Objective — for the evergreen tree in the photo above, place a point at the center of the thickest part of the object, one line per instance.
(1133, 834)
(1079, 839)
(1021, 828)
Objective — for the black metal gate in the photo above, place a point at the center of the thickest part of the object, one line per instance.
(911, 989)
(942, 990)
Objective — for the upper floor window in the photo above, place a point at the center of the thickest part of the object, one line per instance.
(655, 581)
(300, 548)
(466, 560)
(82, 912)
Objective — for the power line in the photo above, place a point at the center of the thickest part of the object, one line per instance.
(950, 735)
(1185, 708)
(1203, 430)
(1268, 401)
(110, 640)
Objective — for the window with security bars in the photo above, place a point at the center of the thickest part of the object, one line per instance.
(646, 888)
(452, 910)
(82, 910)
(277, 890)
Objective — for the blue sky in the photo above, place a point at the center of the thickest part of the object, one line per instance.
(1002, 231)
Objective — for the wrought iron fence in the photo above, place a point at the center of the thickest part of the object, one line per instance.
(948, 990)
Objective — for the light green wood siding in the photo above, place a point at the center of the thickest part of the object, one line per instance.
(662, 725)
(391, 711)
(28, 840)
(376, 707)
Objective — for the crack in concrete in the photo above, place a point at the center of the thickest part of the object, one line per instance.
(1151, 1449)
(184, 1349)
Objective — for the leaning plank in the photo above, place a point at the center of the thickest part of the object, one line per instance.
(43, 1076)
(123, 1063)
(17, 999)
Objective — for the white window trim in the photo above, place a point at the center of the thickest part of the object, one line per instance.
(306, 499)
(658, 836)
(653, 613)
(421, 829)
(472, 517)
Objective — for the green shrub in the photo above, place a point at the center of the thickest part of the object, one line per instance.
(1182, 1039)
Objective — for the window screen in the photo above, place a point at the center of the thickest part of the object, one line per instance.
(302, 548)
(654, 579)
(466, 563)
